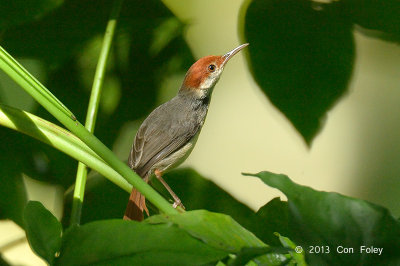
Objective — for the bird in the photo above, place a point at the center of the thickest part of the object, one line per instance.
(168, 135)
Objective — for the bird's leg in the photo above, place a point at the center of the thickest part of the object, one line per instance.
(177, 200)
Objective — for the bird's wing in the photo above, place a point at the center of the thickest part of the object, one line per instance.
(160, 135)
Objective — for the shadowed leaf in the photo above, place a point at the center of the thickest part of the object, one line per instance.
(43, 231)
(380, 19)
(330, 220)
(301, 55)
(12, 187)
(19, 11)
(271, 218)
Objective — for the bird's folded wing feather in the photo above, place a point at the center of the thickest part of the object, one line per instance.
(160, 135)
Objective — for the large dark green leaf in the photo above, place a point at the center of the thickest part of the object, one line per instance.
(301, 55)
(270, 219)
(331, 221)
(103, 200)
(43, 231)
(118, 242)
(197, 192)
(19, 11)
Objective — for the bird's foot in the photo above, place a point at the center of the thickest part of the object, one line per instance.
(178, 203)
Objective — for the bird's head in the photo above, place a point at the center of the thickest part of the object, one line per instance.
(202, 76)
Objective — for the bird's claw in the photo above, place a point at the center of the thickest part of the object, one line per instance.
(178, 203)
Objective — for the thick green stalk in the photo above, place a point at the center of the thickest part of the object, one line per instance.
(21, 76)
(60, 139)
(91, 115)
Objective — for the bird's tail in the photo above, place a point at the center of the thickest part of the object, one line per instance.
(136, 205)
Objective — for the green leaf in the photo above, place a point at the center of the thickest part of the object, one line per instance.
(198, 192)
(48, 133)
(20, 11)
(13, 197)
(216, 230)
(248, 254)
(12, 187)
(381, 19)
(301, 55)
(119, 242)
(298, 257)
(332, 221)
(272, 218)
(43, 231)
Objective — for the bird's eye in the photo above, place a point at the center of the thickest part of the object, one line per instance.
(211, 68)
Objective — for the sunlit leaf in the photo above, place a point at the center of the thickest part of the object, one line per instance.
(217, 230)
(298, 257)
(119, 242)
(248, 254)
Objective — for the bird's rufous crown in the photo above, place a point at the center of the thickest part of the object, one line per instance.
(206, 68)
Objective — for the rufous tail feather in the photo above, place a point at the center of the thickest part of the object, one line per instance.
(136, 205)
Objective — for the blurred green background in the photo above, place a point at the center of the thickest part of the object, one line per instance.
(356, 151)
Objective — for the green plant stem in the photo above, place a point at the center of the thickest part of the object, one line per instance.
(91, 115)
(60, 139)
(21, 76)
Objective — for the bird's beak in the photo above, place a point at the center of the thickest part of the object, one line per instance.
(230, 54)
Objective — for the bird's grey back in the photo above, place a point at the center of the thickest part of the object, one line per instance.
(165, 130)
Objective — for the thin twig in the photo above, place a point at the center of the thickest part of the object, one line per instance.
(91, 115)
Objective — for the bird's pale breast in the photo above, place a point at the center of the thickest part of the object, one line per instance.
(176, 158)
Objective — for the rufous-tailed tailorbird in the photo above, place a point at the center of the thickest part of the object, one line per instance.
(168, 135)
